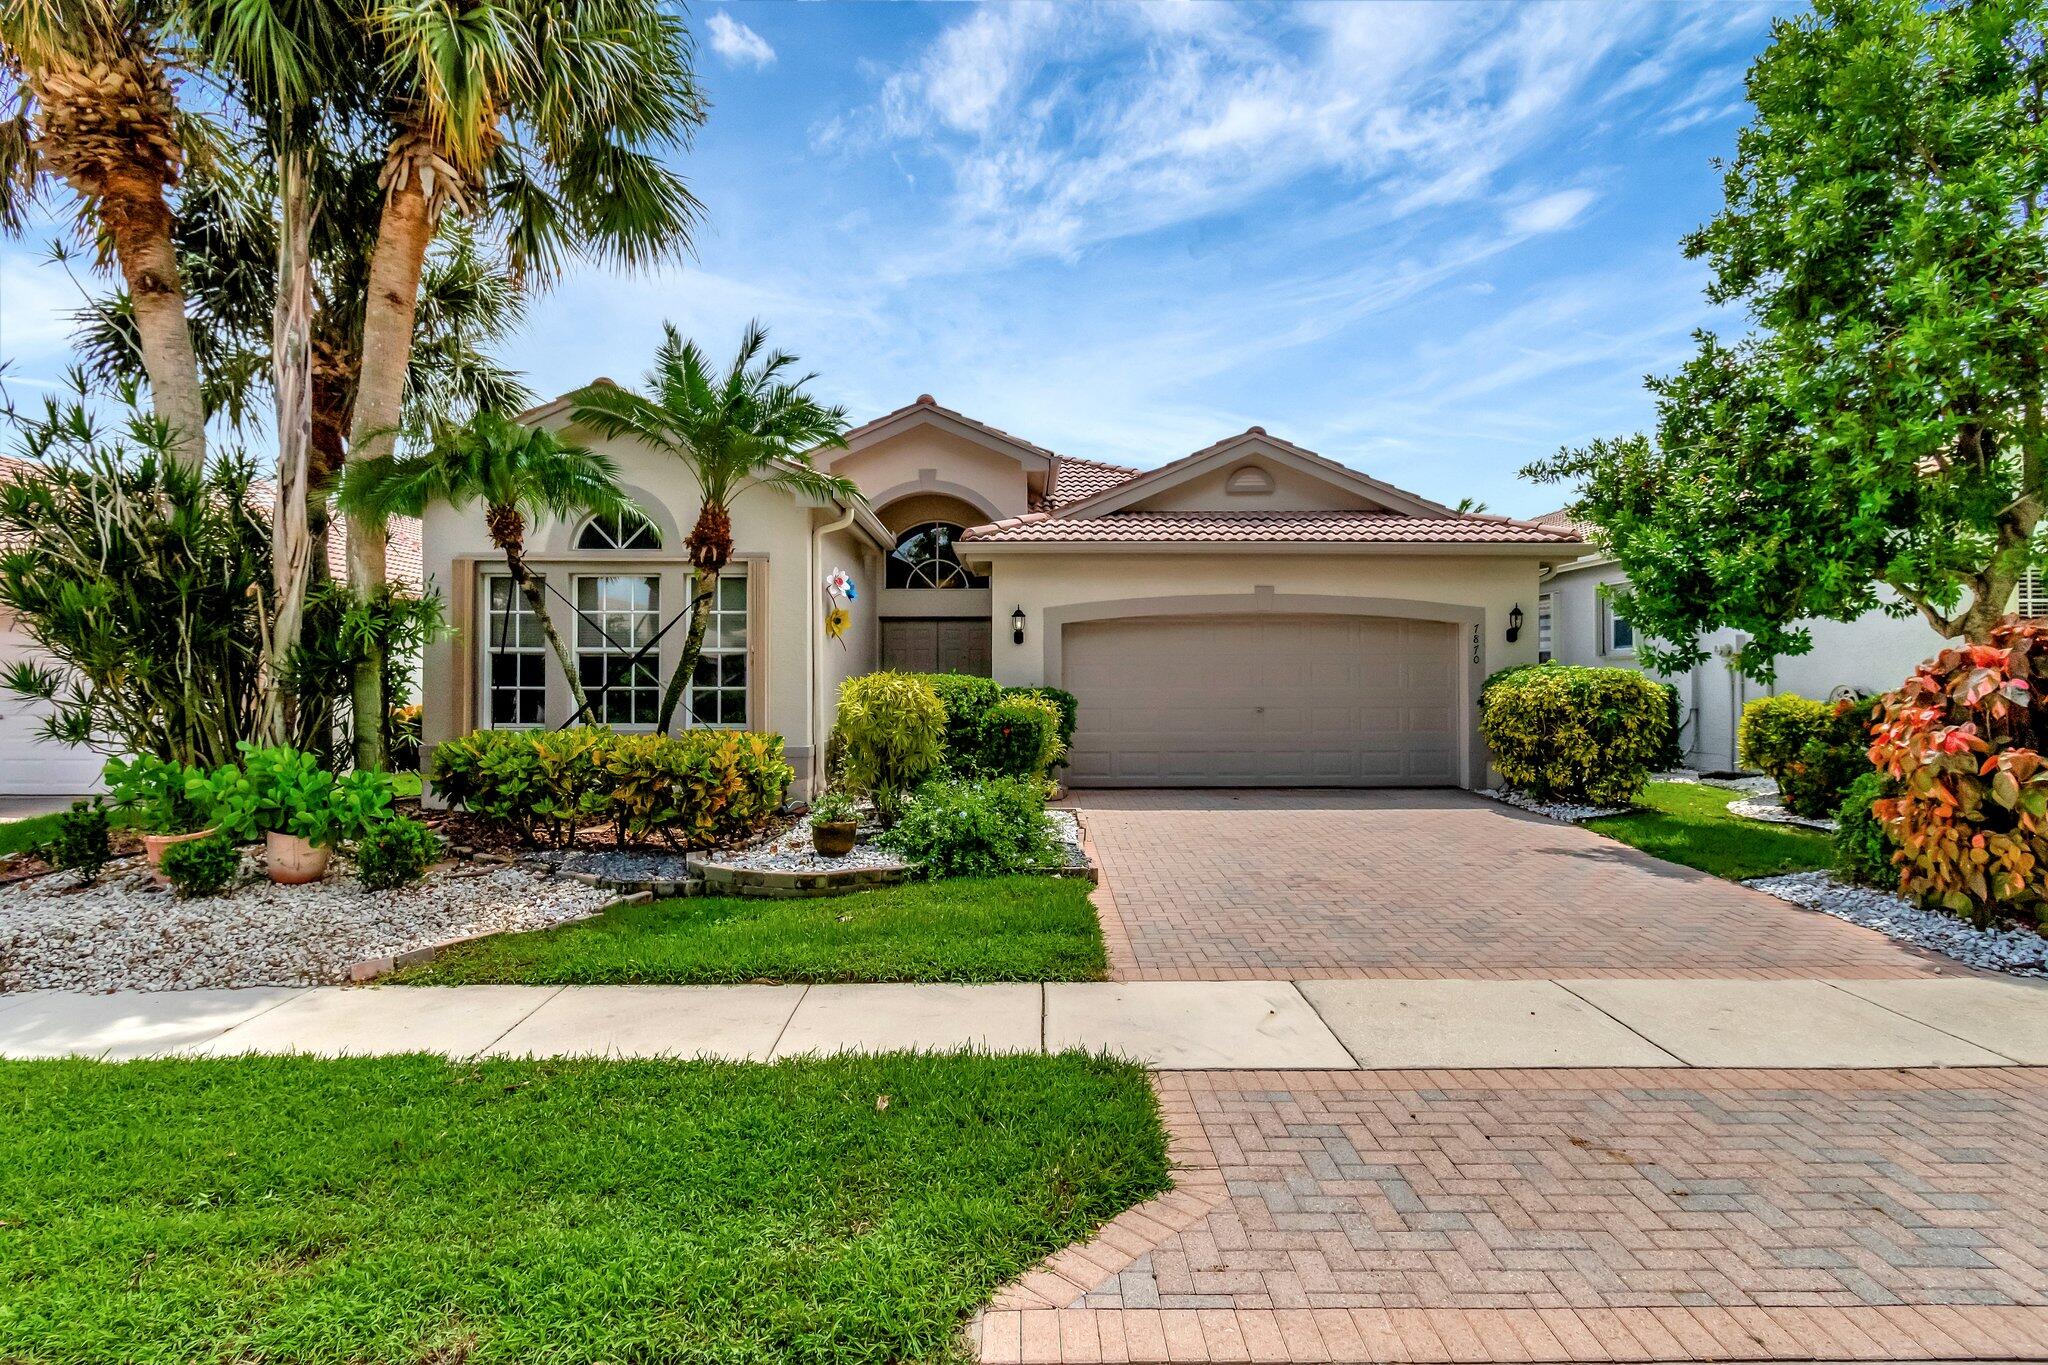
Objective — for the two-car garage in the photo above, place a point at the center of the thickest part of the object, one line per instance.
(1325, 700)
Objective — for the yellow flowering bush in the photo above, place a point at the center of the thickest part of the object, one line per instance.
(1576, 734)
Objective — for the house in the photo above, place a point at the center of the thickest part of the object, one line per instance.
(1249, 614)
(31, 766)
(1874, 653)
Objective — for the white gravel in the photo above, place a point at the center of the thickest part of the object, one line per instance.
(2020, 952)
(1771, 810)
(791, 851)
(127, 933)
(1066, 831)
(1567, 811)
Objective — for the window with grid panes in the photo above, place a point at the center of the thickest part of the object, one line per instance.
(718, 691)
(616, 616)
(515, 660)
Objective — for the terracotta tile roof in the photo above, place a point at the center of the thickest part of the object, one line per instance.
(1075, 478)
(926, 403)
(404, 561)
(1563, 520)
(1159, 528)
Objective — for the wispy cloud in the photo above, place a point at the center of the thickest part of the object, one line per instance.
(1549, 212)
(737, 43)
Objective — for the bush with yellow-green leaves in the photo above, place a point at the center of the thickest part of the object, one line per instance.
(1562, 733)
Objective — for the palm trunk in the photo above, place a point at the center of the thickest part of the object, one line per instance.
(133, 211)
(508, 532)
(291, 368)
(391, 301)
(703, 592)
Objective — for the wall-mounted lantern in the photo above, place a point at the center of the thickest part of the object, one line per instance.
(1017, 626)
(1515, 624)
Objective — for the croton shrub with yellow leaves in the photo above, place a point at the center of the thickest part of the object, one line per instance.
(1961, 742)
(1564, 733)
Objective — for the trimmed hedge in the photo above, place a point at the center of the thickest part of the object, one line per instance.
(1069, 708)
(974, 747)
(1579, 734)
(967, 699)
(1863, 848)
(690, 790)
(1819, 778)
(1773, 730)
(1019, 737)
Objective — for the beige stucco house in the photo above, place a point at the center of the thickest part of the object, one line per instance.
(1250, 614)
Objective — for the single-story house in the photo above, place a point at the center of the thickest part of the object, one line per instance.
(1249, 614)
(1575, 624)
(31, 766)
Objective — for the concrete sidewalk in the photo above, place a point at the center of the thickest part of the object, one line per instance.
(1169, 1025)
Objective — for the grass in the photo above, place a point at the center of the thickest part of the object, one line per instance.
(1689, 823)
(405, 1209)
(960, 929)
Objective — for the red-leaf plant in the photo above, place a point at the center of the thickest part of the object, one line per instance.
(1962, 741)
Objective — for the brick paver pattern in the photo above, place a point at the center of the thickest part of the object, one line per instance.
(1222, 885)
(1624, 1215)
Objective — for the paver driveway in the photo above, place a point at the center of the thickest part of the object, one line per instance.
(1232, 885)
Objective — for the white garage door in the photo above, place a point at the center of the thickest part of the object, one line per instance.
(28, 765)
(1331, 701)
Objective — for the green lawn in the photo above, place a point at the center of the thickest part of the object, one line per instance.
(961, 929)
(1689, 823)
(410, 1210)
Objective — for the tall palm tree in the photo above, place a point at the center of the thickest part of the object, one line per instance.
(548, 118)
(86, 97)
(518, 473)
(751, 424)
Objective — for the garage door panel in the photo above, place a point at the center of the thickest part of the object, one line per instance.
(1331, 700)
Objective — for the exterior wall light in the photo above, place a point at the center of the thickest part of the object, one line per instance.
(1515, 624)
(1017, 626)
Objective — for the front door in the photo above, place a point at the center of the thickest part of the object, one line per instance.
(953, 645)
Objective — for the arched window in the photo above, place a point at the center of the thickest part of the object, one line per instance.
(626, 532)
(924, 558)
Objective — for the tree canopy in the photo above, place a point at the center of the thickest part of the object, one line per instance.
(1881, 425)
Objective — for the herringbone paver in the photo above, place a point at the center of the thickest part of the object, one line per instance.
(1569, 1215)
(1236, 885)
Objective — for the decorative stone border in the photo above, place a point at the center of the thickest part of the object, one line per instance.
(720, 879)
(369, 969)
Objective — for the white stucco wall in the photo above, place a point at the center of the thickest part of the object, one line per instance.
(1873, 653)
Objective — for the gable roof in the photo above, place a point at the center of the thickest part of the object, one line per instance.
(1255, 440)
(1074, 479)
(927, 410)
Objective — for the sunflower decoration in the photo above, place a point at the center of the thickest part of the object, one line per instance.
(836, 622)
(839, 591)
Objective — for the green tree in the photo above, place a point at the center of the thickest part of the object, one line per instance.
(1882, 424)
(751, 424)
(547, 120)
(518, 473)
(87, 89)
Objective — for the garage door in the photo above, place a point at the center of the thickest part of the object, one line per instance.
(1333, 701)
(30, 766)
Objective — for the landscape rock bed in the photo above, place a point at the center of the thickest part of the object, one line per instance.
(127, 933)
(2019, 952)
(1571, 813)
(1771, 810)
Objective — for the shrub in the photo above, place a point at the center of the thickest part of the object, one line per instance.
(1816, 781)
(833, 807)
(697, 788)
(1863, 850)
(1673, 753)
(1962, 743)
(402, 736)
(1068, 705)
(395, 852)
(967, 699)
(1589, 734)
(1774, 730)
(201, 867)
(81, 843)
(165, 796)
(360, 802)
(974, 827)
(277, 789)
(892, 736)
(1020, 737)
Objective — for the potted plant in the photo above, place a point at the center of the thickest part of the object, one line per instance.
(835, 825)
(170, 802)
(285, 795)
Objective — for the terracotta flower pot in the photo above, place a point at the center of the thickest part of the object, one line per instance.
(153, 846)
(834, 839)
(291, 861)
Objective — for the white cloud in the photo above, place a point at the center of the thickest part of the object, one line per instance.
(737, 43)
(1549, 213)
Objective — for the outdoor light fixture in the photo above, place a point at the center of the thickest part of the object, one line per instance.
(1017, 626)
(1515, 623)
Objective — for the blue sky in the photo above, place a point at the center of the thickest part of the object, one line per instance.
(1431, 242)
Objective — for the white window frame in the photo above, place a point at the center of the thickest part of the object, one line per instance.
(618, 533)
(497, 625)
(1609, 619)
(1546, 637)
(719, 647)
(2030, 598)
(617, 646)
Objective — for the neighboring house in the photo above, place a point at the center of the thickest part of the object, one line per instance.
(31, 765)
(1874, 653)
(1251, 614)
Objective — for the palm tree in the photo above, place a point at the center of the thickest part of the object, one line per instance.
(547, 118)
(753, 424)
(87, 94)
(518, 473)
